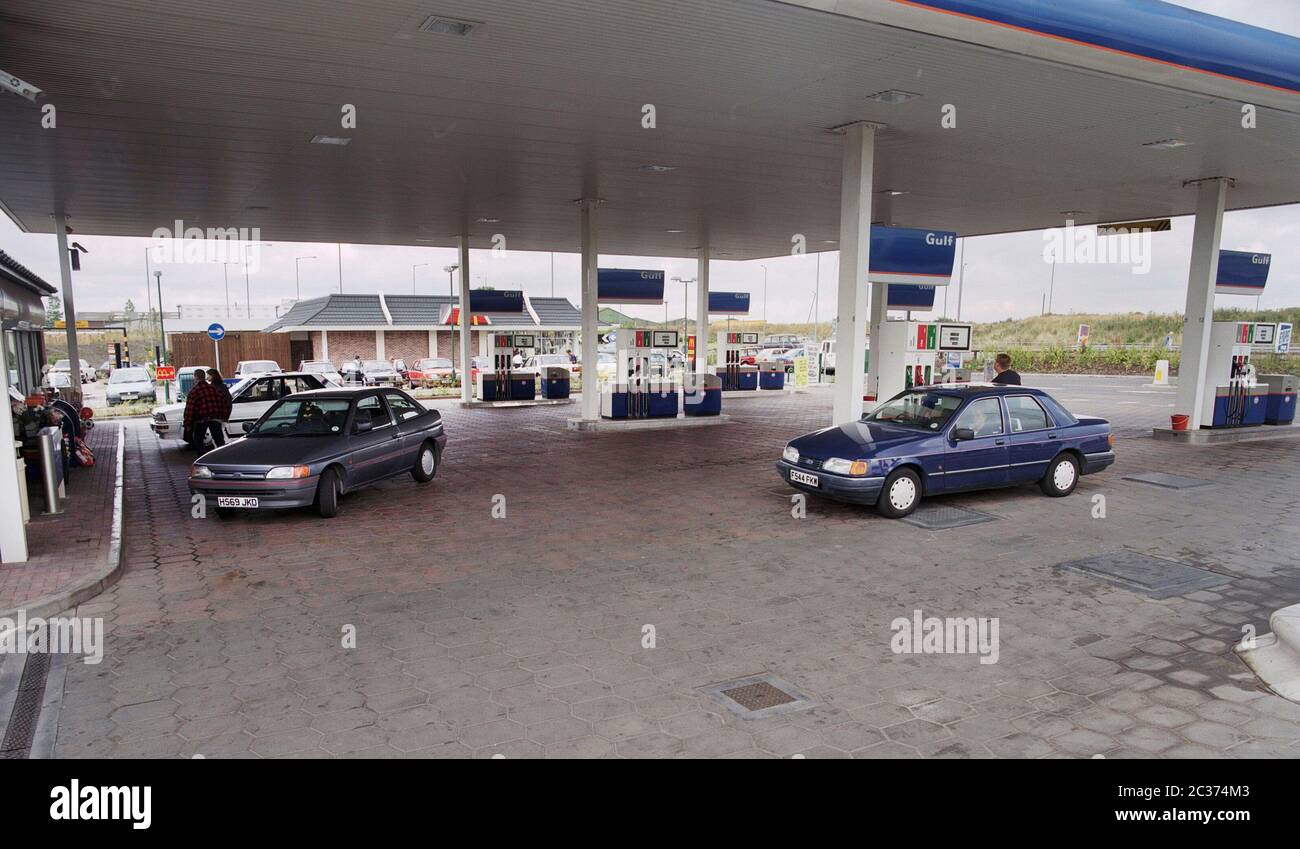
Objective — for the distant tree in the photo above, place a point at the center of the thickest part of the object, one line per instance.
(53, 310)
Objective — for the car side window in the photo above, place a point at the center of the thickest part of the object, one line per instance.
(270, 389)
(1025, 413)
(372, 407)
(983, 416)
(302, 384)
(403, 408)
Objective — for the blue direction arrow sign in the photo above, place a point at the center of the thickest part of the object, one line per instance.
(216, 332)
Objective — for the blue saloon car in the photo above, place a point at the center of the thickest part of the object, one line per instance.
(941, 439)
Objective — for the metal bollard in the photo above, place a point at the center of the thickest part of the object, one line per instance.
(51, 442)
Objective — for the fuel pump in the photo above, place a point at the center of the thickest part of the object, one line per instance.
(730, 350)
(908, 354)
(501, 382)
(642, 387)
(1233, 397)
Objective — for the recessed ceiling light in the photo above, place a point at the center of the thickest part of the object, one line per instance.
(830, 241)
(336, 140)
(674, 231)
(1166, 144)
(893, 95)
(893, 193)
(489, 220)
(658, 169)
(440, 25)
(1070, 213)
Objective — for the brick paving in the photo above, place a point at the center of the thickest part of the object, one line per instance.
(67, 550)
(522, 635)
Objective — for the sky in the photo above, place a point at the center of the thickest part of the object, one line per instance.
(1004, 276)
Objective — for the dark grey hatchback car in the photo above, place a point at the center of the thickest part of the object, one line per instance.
(312, 447)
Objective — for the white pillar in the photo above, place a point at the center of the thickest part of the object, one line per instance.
(466, 392)
(855, 250)
(69, 309)
(324, 344)
(433, 343)
(379, 345)
(1197, 318)
(590, 311)
(13, 536)
(702, 311)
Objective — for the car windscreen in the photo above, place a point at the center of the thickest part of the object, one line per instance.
(928, 410)
(62, 364)
(439, 362)
(303, 417)
(376, 365)
(129, 375)
(258, 366)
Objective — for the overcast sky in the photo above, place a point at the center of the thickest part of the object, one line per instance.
(1004, 276)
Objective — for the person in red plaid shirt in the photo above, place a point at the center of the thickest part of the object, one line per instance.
(204, 407)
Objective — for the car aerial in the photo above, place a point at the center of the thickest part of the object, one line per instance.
(322, 368)
(934, 440)
(379, 373)
(250, 398)
(252, 368)
(65, 366)
(431, 370)
(312, 447)
(130, 384)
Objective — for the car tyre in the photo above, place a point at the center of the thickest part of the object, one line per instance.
(426, 464)
(327, 494)
(1062, 476)
(900, 495)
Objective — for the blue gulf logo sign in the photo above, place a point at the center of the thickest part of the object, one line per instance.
(911, 256)
(1242, 273)
(729, 303)
(629, 286)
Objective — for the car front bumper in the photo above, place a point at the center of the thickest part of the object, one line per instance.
(1096, 462)
(834, 487)
(270, 495)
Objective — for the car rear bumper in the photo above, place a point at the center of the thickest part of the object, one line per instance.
(270, 495)
(1096, 462)
(834, 487)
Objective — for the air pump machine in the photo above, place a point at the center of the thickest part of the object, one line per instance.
(502, 382)
(730, 350)
(636, 392)
(907, 354)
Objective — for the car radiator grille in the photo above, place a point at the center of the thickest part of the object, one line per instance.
(810, 462)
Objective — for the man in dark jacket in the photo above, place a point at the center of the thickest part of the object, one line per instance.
(203, 406)
(1006, 376)
(227, 404)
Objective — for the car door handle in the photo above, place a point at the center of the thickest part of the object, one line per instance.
(999, 442)
(1051, 436)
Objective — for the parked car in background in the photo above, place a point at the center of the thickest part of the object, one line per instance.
(185, 380)
(940, 439)
(431, 370)
(130, 384)
(250, 398)
(536, 364)
(828, 356)
(313, 447)
(781, 340)
(478, 364)
(252, 368)
(105, 369)
(86, 372)
(324, 368)
(749, 357)
(403, 373)
(379, 373)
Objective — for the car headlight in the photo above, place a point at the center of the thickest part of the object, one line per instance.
(287, 472)
(198, 471)
(790, 454)
(840, 466)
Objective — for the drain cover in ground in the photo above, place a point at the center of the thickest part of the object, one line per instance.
(940, 517)
(1167, 481)
(758, 696)
(1149, 576)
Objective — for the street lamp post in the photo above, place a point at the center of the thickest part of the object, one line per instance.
(162, 339)
(297, 277)
(419, 265)
(248, 291)
(686, 299)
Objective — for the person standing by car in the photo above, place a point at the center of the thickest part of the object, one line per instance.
(227, 405)
(1006, 376)
(517, 361)
(358, 370)
(203, 407)
(573, 359)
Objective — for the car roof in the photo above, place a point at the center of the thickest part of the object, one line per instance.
(344, 392)
(973, 390)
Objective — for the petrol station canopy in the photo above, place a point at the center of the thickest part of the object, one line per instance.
(504, 114)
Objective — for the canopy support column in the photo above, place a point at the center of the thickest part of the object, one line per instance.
(590, 310)
(702, 312)
(855, 250)
(466, 359)
(69, 309)
(1211, 195)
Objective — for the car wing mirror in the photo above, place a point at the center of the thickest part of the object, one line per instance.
(248, 426)
(962, 433)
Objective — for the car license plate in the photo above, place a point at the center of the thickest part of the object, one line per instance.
(801, 477)
(241, 502)
(130, 396)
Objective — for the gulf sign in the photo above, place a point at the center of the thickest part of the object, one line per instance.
(1242, 273)
(912, 256)
(729, 303)
(496, 300)
(629, 286)
(904, 296)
